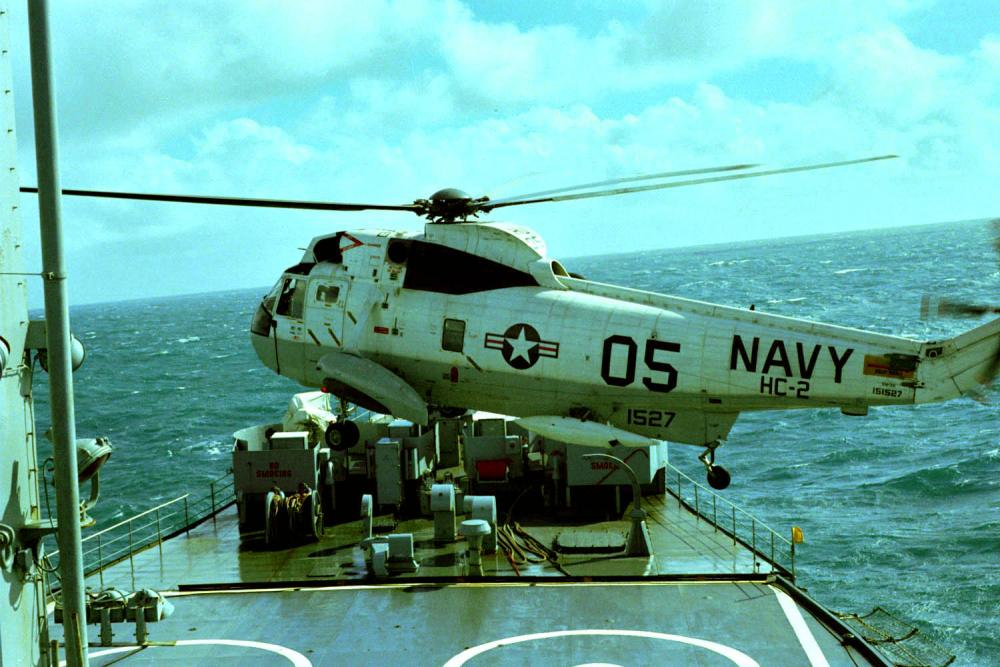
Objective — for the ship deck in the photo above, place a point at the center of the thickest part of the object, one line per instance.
(702, 598)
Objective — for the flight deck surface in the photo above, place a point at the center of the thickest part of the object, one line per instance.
(213, 554)
(701, 599)
(682, 623)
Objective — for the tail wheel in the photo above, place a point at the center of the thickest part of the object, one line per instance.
(342, 435)
(718, 477)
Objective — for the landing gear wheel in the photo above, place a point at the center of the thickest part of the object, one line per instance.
(718, 477)
(342, 435)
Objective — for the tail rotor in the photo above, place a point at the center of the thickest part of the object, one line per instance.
(933, 307)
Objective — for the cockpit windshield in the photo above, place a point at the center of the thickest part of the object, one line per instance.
(264, 315)
(292, 298)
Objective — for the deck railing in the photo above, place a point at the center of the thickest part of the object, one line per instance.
(123, 540)
(729, 518)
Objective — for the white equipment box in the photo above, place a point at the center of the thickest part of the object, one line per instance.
(644, 461)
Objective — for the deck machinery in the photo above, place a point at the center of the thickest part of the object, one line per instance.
(290, 483)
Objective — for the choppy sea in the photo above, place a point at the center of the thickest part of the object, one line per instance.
(900, 508)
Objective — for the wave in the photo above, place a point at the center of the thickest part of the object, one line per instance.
(963, 478)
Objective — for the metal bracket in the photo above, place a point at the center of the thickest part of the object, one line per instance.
(33, 531)
(35, 339)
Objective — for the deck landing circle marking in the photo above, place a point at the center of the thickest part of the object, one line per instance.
(293, 656)
(738, 657)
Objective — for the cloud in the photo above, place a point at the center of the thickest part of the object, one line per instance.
(385, 102)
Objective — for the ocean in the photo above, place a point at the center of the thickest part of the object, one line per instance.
(899, 509)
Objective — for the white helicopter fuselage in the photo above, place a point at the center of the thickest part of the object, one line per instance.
(475, 316)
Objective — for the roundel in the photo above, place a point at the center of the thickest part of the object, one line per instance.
(521, 345)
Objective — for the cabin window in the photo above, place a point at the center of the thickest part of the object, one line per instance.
(435, 268)
(293, 298)
(327, 294)
(453, 336)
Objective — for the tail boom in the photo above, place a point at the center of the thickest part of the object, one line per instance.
(960, 365)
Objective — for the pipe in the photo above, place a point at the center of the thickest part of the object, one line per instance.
(59, 344)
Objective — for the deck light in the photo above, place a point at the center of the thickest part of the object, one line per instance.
(78, 353)
(91, 453)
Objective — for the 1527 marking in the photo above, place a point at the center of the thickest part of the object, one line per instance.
(644, 417)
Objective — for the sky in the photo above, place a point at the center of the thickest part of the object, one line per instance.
(385, 102)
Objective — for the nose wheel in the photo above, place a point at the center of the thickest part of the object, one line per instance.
(717, 476)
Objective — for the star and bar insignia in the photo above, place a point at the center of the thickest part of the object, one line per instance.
(521, 346)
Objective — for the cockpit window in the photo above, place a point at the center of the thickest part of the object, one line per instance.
(293, 298)
(435, 268)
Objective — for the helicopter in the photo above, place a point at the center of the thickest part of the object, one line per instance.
(471, 314)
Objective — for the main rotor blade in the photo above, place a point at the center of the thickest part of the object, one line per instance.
(237, 201)
(488, 206)
(627, 179)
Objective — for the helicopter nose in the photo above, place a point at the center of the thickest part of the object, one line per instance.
(260, 336)
(264, 347)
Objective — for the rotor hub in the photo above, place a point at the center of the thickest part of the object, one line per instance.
(450, 205)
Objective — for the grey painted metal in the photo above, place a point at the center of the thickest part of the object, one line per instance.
(59, 342)
(23, 629)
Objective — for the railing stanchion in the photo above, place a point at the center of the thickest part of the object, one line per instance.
(734, 524)
(753, 541)
(131, 560)
(213, 502)
(715, 516)
(100, 562)
(772, 550)
(159, 535)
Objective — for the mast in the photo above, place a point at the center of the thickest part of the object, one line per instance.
(57, 327)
